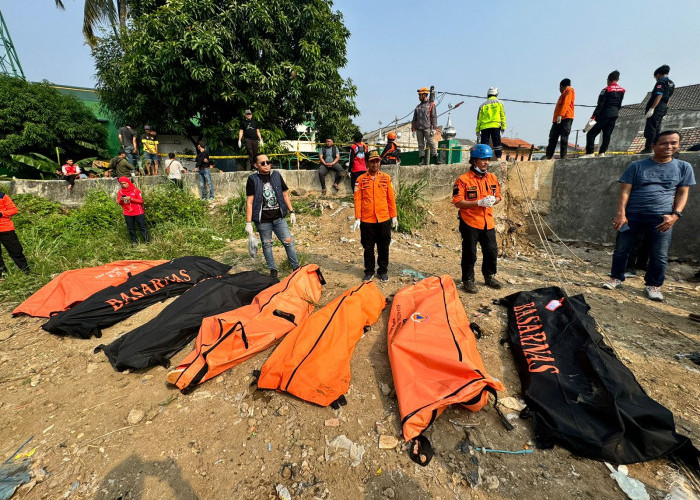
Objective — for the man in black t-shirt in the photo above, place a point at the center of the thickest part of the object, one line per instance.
(267, 204)
(128, 137)
(251, 133)
(657, 105)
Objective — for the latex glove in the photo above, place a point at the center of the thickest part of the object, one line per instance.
(486, 201)
(355, 225)
(261, 142)
(432, 132)
(395, 223)
(413, 133)
(492, 199)
(650, 113)
(249, 228)
(239, 143)
(558, 119)
(293, 219)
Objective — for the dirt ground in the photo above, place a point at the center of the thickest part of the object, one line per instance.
(223, 441)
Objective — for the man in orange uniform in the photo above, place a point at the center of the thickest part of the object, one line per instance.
(474, 193)
(563, 118)
(375, 215)
(8, 237)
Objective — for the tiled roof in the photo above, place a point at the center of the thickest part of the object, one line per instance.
(515, 143)
(689, 137)
(686, 98)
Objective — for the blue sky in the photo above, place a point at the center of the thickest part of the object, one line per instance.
(523, 48)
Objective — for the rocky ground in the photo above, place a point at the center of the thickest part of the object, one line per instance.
(108, 435)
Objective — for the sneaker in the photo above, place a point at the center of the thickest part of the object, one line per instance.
(612, 284)
(601, 155)
(631, 273)
(470, 286)
(323, 192)
(654, 293)
(368, 277)
(274, 273)
(384, 277)
(587, 156)
(492, 282)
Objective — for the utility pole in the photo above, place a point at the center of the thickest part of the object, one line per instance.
(9, 62)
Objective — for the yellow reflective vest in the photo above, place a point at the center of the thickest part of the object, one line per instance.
(491, 115)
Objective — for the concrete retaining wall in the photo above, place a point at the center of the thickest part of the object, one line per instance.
(576, 197)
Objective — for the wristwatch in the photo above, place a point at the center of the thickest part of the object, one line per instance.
(677, 213)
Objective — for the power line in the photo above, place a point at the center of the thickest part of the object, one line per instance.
(515, 100)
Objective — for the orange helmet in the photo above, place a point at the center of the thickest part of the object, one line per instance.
(424, 90)
(391, 135)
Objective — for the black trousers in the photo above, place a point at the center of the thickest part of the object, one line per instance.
(131, 222)
(178, 183)
(252, 146)
(492, 135)
(376, 233)
(489, 250)
(353, 178)
(607, 126)
(323, 170)
(10, 241)
(653, 125)
(559, 130)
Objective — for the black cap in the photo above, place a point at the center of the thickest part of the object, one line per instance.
(565, 82)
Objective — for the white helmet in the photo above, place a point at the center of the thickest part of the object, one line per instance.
(492, 91)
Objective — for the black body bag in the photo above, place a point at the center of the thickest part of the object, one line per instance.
(115, 303)
(155, 342)
(579, 394)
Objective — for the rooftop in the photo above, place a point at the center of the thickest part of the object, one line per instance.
(685, 98)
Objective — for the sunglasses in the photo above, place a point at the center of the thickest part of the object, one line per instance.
(268, 162)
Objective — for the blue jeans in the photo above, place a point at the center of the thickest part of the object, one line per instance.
(132, 156)
(658, 248)
(204, 177)
(281, 230)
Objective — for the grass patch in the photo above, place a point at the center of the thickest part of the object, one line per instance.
(409, 206)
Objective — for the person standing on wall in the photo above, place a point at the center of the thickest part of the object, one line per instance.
(267, 205)
(474, 194)
(251, 133)
(657, 105)
(127, 138)
(150, 150)
(202, 165)
(375, 215)
(491, 121)
(563, 118)
(358, 152)
(653, 194)
(8, 236)
(424, 124)
(329, 157)
(605, 115)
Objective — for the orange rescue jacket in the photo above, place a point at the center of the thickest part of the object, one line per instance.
(565, 104)
(472, 187)
(374, 198)
(7, 209)
(433, 355)
(313, 361)
(228, 339)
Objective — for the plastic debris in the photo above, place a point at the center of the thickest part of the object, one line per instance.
(413, 274)
(354, 451)
(633, 488)
(12, 476)
(491, 450)
(512, 403)
(253, 246)
(283, 492)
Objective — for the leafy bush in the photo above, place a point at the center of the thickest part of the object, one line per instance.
(235, 215)
(409, 206)
(168, 203)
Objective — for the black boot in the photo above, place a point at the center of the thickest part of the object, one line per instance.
(492, 282)
(436, 160)
(470, 286)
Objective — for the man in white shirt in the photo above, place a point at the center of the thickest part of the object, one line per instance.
(174, 169)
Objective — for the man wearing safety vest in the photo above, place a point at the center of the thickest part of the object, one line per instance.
(375, 215)
(391, 154)
(475, 193)
(358, 152)
(491, 121)
(562, 120)
(424, 124)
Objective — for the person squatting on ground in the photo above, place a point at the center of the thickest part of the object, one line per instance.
(423, 126)
(491, 121)
(202, 165)
(8, 236)
(391, 154)
(150, 150)
(251, 133)
(563, 118)
(120, 166)
(329, 157)
(375, 215)
(267, 206)
(174, 169)
(129, 197)
(653, 194)
(657, 105)
(357, 161)
(127, 138)
(475, 193)
(70, 172)
(605, 114)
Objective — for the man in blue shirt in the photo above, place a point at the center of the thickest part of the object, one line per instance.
(653, 194)
(657, 105)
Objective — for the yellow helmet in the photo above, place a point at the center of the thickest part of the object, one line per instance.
(424, 90)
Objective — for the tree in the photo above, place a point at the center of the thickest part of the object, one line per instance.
(36, 118)
(192, 67)
(96, 12)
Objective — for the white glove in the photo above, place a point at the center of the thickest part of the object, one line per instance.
(413, 133)
(558, 119)
(487, 201)
(293, 219)
(249, 228)
(355, 225)
(261, 142)
(239, 143)
(650, 113)
(432, 132)
(395, 223)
